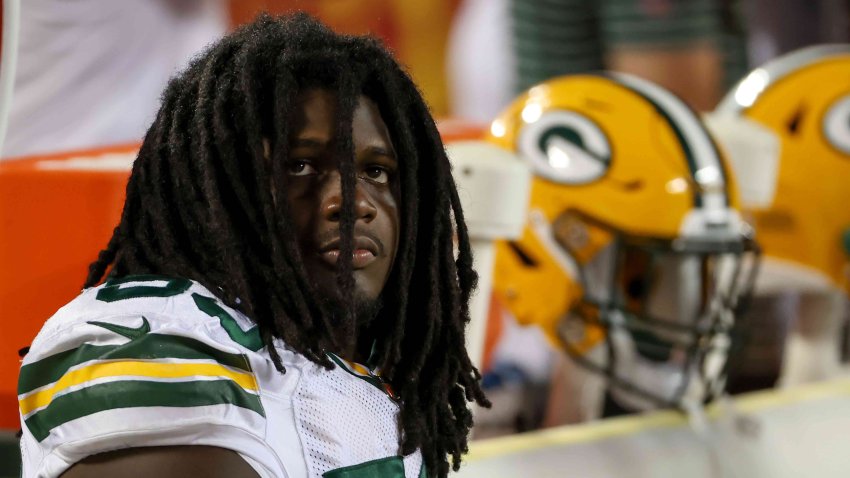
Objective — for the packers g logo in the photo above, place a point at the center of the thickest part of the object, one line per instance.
(565, 147)
(836, 125)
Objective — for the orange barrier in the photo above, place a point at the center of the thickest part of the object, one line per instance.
(56, 213)
(453, 129)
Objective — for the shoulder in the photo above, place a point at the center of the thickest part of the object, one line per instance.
(142, 361)
(172, 305)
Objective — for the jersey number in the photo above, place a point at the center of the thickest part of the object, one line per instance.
(113, 291)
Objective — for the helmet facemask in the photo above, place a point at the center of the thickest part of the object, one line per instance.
(663, 310)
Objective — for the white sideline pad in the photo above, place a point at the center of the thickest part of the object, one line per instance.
(800, 432)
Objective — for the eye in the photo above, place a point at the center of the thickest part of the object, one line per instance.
(298, 167)
(836, 125)
(566, 147)
(377, 174)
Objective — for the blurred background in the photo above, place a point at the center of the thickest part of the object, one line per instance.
(80, 83)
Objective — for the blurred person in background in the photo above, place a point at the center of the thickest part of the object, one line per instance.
(693, 48)
(679, 44)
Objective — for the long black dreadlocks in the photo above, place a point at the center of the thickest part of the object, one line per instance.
(200, 204)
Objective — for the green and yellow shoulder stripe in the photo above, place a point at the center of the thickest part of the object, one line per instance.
(150, 369)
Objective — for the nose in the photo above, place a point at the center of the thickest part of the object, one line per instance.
(331, 200)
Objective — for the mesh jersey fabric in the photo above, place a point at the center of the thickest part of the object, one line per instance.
(333, 431)
(157, 361)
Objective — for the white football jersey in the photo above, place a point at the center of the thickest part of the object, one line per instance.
(158, 361)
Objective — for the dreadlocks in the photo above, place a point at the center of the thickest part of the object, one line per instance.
(201, 205)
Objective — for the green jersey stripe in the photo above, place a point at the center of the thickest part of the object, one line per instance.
(149, 346)
(250, 339)
(135, 393)
(389, 467)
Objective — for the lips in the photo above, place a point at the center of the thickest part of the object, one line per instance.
(365, 252)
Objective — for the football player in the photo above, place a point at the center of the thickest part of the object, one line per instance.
(284, 293)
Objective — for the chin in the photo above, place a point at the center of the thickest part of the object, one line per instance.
(365, 306)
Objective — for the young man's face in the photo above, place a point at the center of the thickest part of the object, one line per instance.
(313, 188)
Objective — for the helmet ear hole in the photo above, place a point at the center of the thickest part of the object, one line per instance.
(793, 124)
(636, 288)
(522, 255)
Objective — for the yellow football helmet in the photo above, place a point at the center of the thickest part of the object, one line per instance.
(804, 226)
(634, 256)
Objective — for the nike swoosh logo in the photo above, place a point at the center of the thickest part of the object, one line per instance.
(131, 333)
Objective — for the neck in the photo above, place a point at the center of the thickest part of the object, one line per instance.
(366, 313)
(363, 351)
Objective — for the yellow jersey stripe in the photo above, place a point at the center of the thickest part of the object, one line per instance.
(134, 369)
